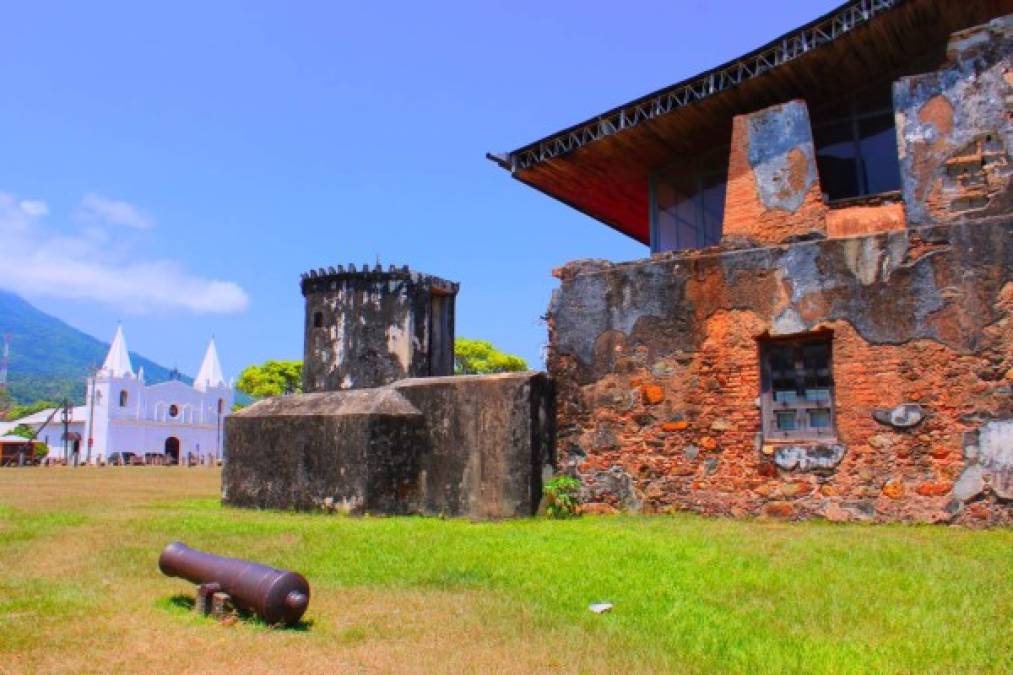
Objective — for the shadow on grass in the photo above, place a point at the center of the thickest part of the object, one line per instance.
(178, 601)
(182, 603)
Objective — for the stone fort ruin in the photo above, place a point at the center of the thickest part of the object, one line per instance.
(383, 425)
(824, 327)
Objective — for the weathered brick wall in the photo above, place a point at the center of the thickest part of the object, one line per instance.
(658, 376)
(657, 362)
(774, 194)
(773, 190)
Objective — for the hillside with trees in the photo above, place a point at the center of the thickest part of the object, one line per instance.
(51, 359)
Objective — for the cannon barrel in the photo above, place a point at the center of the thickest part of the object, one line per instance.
(276, 596)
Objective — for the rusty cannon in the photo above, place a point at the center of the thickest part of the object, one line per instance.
(276, 596)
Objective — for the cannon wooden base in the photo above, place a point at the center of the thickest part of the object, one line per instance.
(211, 600)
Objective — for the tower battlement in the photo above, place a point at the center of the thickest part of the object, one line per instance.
(326, 278)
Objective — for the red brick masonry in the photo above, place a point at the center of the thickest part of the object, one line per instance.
(657, 368)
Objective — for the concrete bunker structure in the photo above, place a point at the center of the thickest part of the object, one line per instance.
(368, 438)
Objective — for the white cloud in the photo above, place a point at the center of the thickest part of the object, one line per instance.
(36, 260)
(95, 208)
(33, 208)
(17, 216)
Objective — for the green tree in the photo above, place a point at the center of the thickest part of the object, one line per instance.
(271, 378)
(472, 357)
(16, 412)
(22, 430)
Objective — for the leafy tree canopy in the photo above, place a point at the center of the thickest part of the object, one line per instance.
(271, 378)
(473, 357)
(22, 430)
(16, 412)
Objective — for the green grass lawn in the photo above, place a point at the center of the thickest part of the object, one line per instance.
(78, 553)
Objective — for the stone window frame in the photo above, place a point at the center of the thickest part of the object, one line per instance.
(801, 405)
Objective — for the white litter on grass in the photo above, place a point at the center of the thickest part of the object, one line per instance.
(600, 607)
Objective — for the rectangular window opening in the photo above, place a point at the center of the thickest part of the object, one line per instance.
(797, 397)
(856, 144)
(688, 202)
(441, 339)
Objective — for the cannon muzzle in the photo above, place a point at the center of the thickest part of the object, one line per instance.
(276, 596)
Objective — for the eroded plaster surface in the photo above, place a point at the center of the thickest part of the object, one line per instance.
(781, 155)
(954, 131)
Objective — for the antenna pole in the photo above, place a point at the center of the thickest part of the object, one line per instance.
(5, 359)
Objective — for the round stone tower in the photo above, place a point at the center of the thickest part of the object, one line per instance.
(370, 327)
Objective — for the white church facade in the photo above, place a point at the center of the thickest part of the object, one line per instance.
(170, 422)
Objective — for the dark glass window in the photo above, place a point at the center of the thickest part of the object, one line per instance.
(318, 319)
(856, 145)
(123, 398)
(797, 380)
(688, 203)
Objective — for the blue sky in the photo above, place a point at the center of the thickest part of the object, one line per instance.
(178, 166)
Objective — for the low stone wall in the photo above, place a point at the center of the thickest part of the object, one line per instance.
(658, 374)
(356, 451)
(473, 446)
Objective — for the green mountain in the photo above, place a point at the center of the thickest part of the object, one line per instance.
(50, 359)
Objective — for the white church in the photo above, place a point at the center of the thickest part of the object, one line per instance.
(170, 422)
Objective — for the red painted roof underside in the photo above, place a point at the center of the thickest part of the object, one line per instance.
(608, 178)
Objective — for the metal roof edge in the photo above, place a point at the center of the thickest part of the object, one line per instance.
(789, 46)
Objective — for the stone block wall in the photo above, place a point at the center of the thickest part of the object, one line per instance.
(355, 451)
(489, 439)
(863, 219)
(658, 375)
(774, 193)
(473, 446)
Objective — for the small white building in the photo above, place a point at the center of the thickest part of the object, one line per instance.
(170, 421)
(49, 424)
